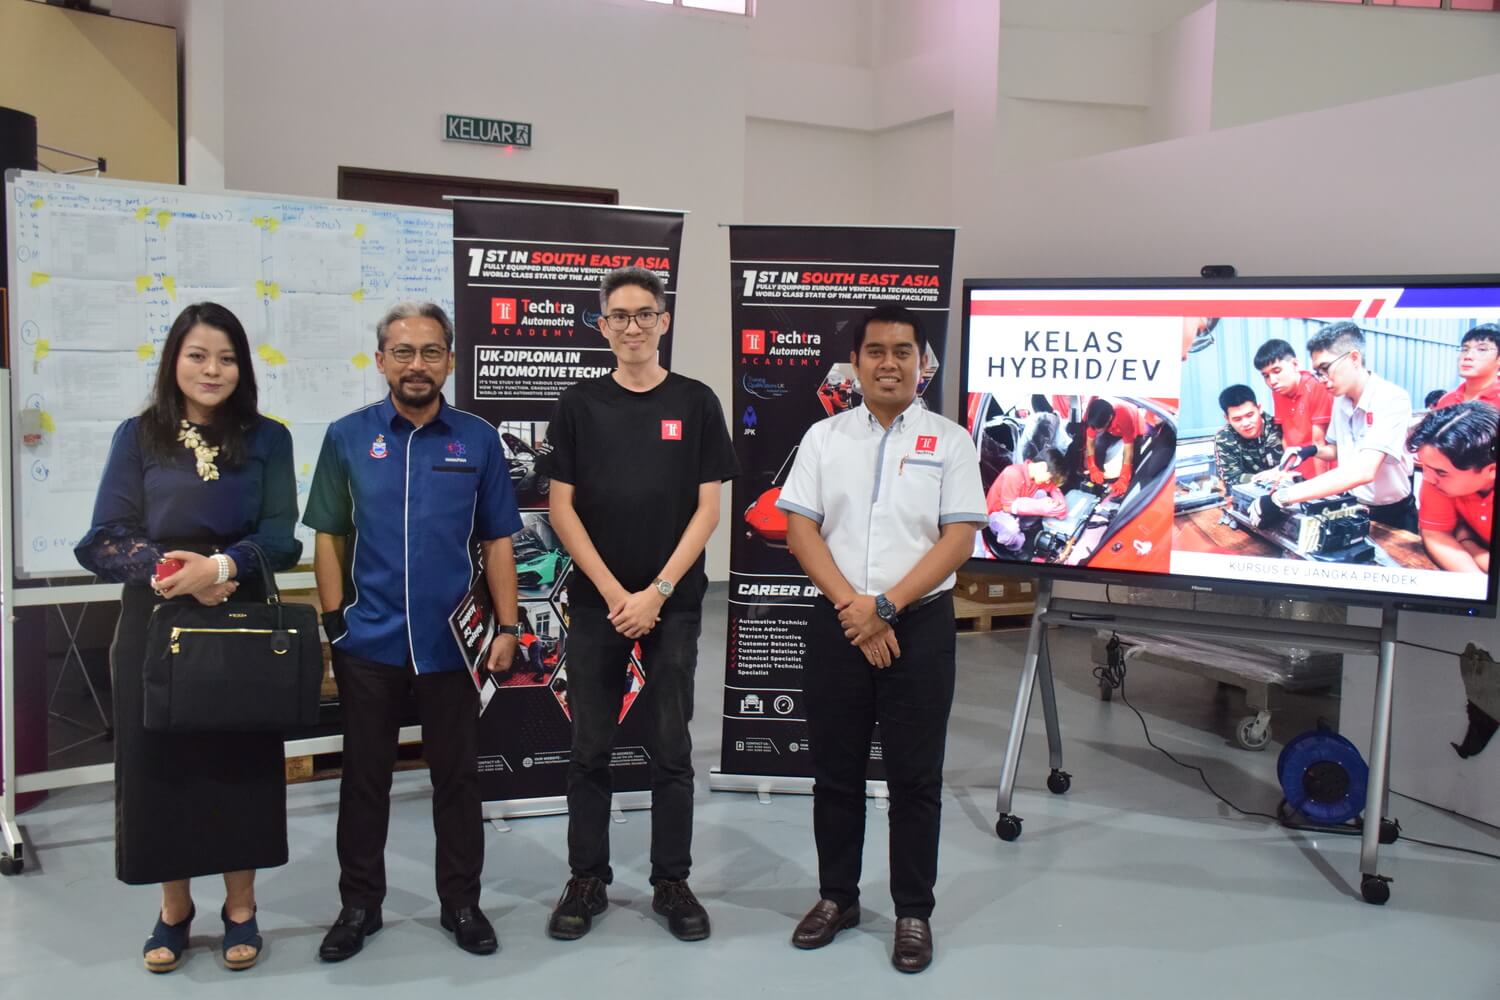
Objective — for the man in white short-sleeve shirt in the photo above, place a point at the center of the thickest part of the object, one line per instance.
(1366, 436)
(883, 502)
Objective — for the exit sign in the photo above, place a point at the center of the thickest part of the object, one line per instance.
(490, 131)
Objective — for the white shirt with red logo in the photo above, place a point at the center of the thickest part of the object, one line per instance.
(881, 496)
(1378, 423)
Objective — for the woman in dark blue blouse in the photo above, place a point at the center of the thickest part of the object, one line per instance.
(196, 477)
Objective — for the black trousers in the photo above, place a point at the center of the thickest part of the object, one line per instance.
(1401, 514)
(597, 657)
(845, 698)
(372, 697)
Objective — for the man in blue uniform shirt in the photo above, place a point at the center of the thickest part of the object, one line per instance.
(408, 485)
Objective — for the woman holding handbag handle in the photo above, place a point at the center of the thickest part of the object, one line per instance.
(191, 485)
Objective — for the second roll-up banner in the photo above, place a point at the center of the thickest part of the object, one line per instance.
(526, 295)
(795, 291)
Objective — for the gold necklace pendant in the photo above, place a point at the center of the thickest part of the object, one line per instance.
(204, 455)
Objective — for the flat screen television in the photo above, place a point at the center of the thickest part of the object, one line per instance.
(1269, 436)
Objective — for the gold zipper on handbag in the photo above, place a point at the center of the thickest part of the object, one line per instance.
(178, 632)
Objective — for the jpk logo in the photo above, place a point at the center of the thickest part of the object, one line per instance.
(752, 341)
(671, 430)
(503, 312)
(926, 443)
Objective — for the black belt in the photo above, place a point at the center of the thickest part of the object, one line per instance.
(918, 605)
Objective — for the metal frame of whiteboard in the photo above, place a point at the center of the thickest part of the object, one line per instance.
(1350, 639)
(12, 175)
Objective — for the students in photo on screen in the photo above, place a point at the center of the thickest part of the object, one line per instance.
(1456, 448)
(1300, 402)
(1105, 423)
(417, 483)
(196, 477)
(1248, 447)
(883, 502)
(1430, 401)
(1023, 494)
(1366, 436)
(1478, 367)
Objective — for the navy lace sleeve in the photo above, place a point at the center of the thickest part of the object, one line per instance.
(117, 547)
(278, 509)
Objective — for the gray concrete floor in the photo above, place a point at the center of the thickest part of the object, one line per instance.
(1135, 884)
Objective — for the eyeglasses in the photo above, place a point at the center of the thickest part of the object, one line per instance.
(646, 319)
(1321, 371)
(1476, 350)
(404, 354)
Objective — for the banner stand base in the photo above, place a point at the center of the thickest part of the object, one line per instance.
(763, 785)
(556, 805)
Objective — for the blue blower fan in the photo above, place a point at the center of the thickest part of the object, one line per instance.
(1323, 777)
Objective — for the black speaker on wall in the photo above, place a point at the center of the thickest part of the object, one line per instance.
(17, 149)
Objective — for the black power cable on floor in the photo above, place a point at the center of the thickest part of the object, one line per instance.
(1112, 676)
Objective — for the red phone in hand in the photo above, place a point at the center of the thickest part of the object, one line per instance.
(166, 567)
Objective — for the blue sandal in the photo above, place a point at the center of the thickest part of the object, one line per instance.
(173, 937)
(235, 935)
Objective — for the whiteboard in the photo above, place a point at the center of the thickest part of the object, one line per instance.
(100, 268)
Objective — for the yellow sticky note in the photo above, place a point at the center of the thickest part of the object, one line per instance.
(42, 349)
(306, 468)
(270, 355)
(360, 361)
(162, 218)
(49, 426)
(145, 352)
(260, 287)
(273, 290)
(37, 202)
(142, 282)
(170, 284)
(359, 230)
(142, 212)
(272, 224)
(38, 279)
(358, 295)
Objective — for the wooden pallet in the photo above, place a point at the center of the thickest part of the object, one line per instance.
(322, 766)
(975, 616)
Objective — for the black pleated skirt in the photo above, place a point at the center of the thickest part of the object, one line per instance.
(187, 804)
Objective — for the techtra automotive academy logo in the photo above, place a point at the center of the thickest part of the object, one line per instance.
(532, 317)
(780, 348)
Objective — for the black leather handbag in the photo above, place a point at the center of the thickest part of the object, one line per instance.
(241, 666)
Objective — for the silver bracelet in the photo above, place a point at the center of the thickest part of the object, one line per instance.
(221, 561)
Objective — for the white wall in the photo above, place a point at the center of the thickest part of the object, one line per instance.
(1273, 58)
(1182, 80)
(809, 175)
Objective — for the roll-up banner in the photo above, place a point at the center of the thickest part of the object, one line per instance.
(526, 311)
(795, 291)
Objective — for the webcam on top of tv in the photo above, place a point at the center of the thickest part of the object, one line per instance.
(1218, 271)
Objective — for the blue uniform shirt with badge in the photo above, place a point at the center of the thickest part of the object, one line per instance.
(881, 496)
(415, 499)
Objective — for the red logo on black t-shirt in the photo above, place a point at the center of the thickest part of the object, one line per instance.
(671, 430)
(752, 341)
(927, 443)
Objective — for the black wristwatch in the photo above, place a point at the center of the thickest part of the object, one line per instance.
(885, 609)
(514, 630)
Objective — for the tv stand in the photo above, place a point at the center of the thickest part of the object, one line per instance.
(1036, 671)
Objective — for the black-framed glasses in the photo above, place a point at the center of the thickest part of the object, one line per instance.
(405, 354)
(1321, 371)
(646, 319)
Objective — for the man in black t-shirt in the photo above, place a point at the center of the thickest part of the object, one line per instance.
(636, 464)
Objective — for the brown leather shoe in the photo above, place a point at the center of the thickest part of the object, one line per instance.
(822, 923)
(913, 951)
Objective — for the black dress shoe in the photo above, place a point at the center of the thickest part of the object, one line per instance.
(686, 917)
(471, 929)
(913, 950)
(582, 900)
(347, 935)
(823, 922)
